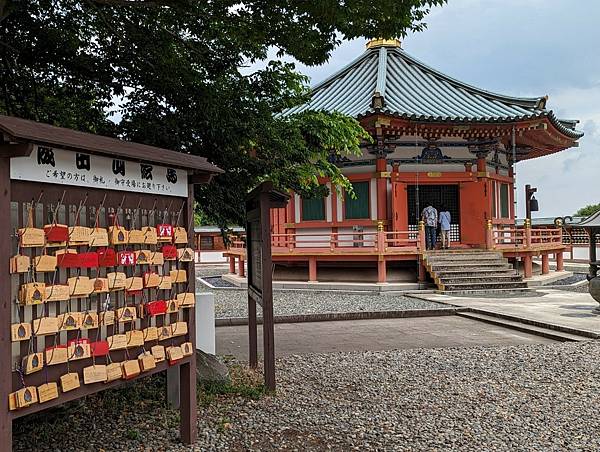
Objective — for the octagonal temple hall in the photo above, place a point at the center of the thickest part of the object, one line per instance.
(438, 141)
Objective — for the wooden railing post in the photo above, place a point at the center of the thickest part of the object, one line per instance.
(421, 236)
(527, 226)
(380, 238)
(489, 235)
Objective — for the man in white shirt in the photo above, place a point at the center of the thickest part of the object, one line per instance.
(430, 217)
(445, 220)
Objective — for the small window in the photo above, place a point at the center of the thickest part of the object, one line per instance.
(504, 201)
(358, 208)
(313, 209)
(207, 242)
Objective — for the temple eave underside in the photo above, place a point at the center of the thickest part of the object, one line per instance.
(533, 138)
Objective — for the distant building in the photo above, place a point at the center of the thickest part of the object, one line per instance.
(210, 238)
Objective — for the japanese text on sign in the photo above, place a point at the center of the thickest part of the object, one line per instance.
(59, 166)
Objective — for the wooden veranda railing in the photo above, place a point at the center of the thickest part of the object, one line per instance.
(522, 237)
(371, 242)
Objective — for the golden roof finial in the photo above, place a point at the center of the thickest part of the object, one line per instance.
(380, 42)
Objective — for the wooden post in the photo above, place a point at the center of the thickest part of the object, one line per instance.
(381, 270)
(267, 294)
(188, 413)
(527, 266)
(241, 270)
(252, 334)
(381, 169)
(481, 164)
(545, 264)
(422, 244)
(527, 227)
(422, 272)
(312, 269)
(231, 264)
(5, 306)
(489, 235)
(560, 265)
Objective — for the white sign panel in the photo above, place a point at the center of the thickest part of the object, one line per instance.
(58, 166)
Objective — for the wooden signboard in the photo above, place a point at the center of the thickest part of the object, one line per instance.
(260, 275)
(50, 175)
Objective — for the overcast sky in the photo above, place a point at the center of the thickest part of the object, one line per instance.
(521, 48)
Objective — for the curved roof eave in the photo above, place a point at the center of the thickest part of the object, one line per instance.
(571, 133)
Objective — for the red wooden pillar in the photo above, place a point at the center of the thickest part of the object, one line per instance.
(381, 169)
(527, 266)
(481, 165)
(422, 272)
(545, 264)
(241, 270)
(560, 265)
(381, 270)
(312, 269)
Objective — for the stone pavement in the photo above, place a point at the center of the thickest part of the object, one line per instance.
(550, 306)
(373, 335)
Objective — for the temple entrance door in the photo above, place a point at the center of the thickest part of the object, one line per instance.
(436, 195)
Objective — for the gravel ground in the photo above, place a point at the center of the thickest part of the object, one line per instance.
(234, 303)
(535, 397)
(217, 281)
(574, 278)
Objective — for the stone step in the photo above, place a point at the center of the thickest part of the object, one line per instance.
(523, 326)
(483, 285)
(472, 262)
(475, 280)
(463, 257)
(474, 272)
(462, 267)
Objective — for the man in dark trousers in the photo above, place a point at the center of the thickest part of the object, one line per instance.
(430, 218)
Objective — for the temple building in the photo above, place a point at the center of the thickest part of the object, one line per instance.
(436, 140)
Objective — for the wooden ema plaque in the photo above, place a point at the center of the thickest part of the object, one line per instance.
(86, 294)
(56, 355)
(114, 371)
(131, 369)
(22, 398)
(69, 381)
(94, 374)
(158, 351)
(150, 334)
(47, 392)
(147, 361)
(45, 326)
(20, 332)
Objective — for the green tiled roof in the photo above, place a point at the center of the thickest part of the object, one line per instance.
(410, 89)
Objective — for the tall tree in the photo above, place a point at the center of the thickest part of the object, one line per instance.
(169, 74)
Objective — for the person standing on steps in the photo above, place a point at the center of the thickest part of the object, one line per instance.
(445, 221)
(430, 218)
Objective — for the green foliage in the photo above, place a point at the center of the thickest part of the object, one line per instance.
(169, 74)
(588, 210)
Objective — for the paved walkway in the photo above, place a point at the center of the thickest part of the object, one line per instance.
(363, 335)
(554, 307)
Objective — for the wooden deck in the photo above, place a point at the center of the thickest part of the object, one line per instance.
(523, 243)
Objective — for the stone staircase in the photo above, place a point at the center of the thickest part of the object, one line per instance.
(471, 270)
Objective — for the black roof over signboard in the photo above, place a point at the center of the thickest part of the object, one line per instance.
(24, 131)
